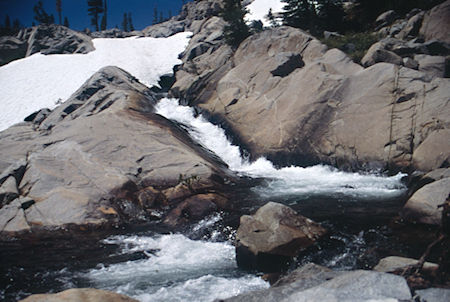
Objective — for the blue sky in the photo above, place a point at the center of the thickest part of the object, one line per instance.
(76, 11)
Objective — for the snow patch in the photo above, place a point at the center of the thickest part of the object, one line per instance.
(44, 81)
(259, 9)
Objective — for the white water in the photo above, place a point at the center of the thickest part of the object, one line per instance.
(176, 268)
(292, 180)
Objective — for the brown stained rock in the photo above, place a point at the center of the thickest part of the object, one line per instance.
(273, 235)
(196, 207)
(80, 295)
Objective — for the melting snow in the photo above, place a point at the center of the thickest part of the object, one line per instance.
(41, 81)
(259, 9)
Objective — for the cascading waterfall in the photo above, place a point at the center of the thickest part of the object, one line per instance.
(173, 267)
(292, 180)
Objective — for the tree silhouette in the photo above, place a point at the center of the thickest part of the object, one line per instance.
(236, 30)
(103, 23)
(125, 22)
(95, 8)
(66, 22)
(40, 15)
(130, 23)
(59, 10)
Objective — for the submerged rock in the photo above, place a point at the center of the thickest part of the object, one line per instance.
(267, 240)
(80, 295)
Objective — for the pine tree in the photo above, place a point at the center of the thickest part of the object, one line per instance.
(59, 10)
(161, 17)
(271, 18)
(236, 30)
(301, 14)
(7, 23)
(125, 22)
(103, 23)
(66, 22)
(40, 15)
(155, 15)
(130, 23)
(95, 8)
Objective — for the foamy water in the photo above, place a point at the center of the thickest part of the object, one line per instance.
(292, 180)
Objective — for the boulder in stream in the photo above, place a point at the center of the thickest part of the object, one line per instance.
(267, 240)
(80, 295)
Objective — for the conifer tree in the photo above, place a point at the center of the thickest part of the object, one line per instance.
(66, 22)
(103, 23)
(40, 15)
(130, 23)
(236, 30)
(125, 22)
(301, 14)
(271, 18)
(161, 17)
(7, 23)
(95, 8)
(155, 15)
(59, 10)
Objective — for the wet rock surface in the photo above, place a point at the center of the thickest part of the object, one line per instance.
(267, 240)
(80, 295)
(314, 283)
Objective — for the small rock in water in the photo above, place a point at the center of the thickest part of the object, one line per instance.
(269, 239)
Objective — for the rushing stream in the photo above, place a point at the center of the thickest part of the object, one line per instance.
(199, 265)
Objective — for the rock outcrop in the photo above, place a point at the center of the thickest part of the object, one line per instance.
(435, 21)
(55, 39)
(319, 112)
(46, 39)
(102, 157)
(11, 49)
(80, 295)
(267, 240)
(315, 283)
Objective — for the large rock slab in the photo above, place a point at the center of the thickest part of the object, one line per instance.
(423, 205)
(80, 295)
(87, 162)
(275, 233)
(354, 286)
(320, 112)
(435, 21)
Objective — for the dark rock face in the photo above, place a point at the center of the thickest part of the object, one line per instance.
(46, 39)
(288, 62)
(55, 39)
(100, 158)
(267, 240)
(11, 49)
